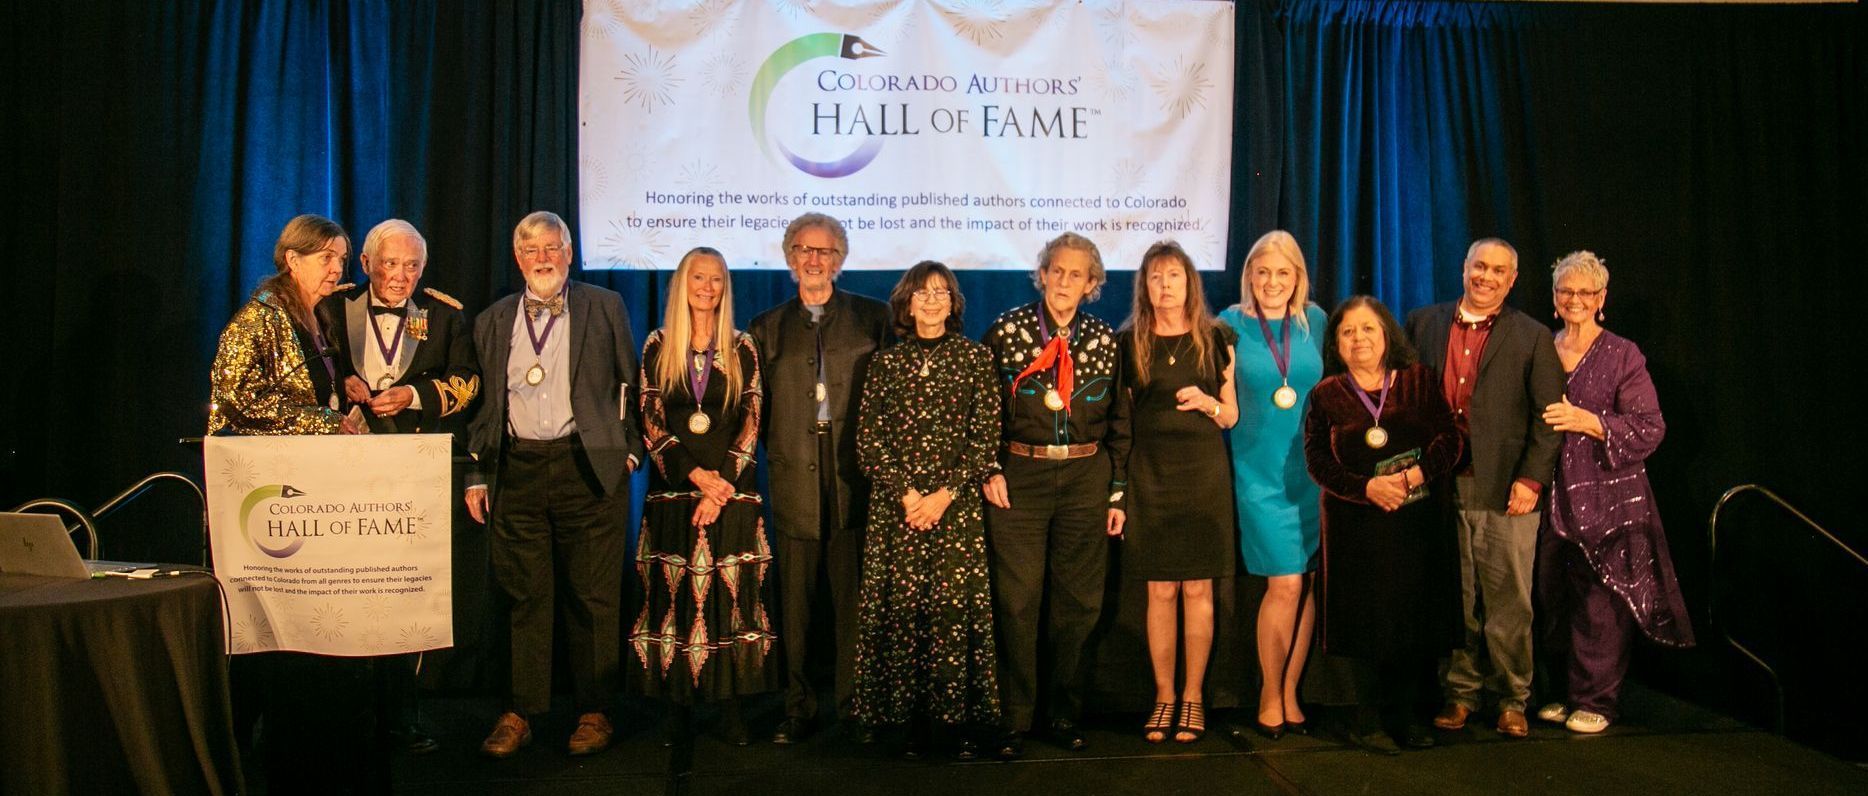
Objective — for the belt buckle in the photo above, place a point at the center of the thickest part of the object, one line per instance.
(1057, 451)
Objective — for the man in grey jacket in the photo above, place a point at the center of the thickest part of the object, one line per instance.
(556, 441)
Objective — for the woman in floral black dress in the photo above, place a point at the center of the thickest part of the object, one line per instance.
(929, 434)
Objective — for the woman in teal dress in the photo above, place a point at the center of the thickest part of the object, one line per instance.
(1279, 358)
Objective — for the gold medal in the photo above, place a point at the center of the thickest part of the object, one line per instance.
(1284, 397)
(1053, 401)
(699, 422)
(385, 382)
(822, 394)
(535, 376)
(1376, 437)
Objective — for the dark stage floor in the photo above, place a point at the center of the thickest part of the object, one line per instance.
(1662, 746)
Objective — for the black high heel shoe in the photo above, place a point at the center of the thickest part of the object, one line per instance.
(1270, 732)
(1297, 727)
(1192, 722)
(1160, 723)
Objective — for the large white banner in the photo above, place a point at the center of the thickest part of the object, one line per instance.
(966, 132)
(336, 545)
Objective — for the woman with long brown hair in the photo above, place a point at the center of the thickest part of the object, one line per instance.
(1177, 392)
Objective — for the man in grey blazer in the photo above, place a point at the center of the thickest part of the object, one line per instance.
(815, 349)
(1499, 369)
(556, 441)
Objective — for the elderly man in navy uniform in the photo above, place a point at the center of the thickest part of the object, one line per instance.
(1053, 504)
(816, 350)
(407, 360)
(556, 442)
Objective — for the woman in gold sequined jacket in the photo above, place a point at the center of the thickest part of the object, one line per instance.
(273, 372)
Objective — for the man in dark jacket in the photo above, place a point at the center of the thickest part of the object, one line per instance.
(1499, 370)
(816, 350)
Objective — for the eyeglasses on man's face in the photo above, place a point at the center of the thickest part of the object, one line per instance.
(804, 252)
(551, 250)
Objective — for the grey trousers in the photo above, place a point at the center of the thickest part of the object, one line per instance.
(1496, 556)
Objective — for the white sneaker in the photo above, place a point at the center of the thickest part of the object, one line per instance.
(1554, 712)
(1587, 722)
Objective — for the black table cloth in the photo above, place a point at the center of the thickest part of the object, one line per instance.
(114, 686)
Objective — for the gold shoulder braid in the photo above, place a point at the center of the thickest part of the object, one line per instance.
(442, 297)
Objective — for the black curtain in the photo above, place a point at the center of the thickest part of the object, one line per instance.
(1712, 154)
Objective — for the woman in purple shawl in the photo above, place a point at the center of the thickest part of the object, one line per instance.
(1603, 568)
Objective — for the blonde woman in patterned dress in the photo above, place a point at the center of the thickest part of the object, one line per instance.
(929, 434)
(702, 562)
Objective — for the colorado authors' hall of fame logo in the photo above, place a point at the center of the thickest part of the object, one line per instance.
(790, 56)
(286, 524)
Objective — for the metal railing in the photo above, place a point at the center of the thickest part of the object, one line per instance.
(1712, 601)
(88, 519)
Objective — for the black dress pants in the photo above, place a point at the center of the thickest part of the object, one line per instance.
(811, 572)
(1051, 540)
(558, 542)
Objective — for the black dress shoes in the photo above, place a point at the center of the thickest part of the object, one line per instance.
(1009, 746)
(411, 739)
(1065, 733)
(1374, 742)
(1416, 736)
(967, 750)
(792, 730)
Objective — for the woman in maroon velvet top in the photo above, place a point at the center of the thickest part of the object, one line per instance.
(1389, 578)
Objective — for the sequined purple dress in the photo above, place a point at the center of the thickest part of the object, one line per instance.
(1602, 505)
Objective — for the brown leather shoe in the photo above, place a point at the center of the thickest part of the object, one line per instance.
(592, 735)
(1511, 724)
(510, 733)
(1452, 717)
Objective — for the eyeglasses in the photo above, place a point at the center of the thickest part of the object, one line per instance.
(532, 252)
(804, 252)
(935, 296)
(1567, 294)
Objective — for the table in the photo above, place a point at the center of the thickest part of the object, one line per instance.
(114, 686)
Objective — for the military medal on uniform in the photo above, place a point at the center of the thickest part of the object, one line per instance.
(1376, 436)
(536, 374)
(1284, 397)
(698, 376)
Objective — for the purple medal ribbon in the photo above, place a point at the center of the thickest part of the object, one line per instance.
(317, 339)
(389, 351)
(699, 375)
(538, 340)
(1280, 358)
(1374, 408)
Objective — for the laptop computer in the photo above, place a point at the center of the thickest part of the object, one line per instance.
(37, 544)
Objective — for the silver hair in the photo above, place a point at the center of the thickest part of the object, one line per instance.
(540, 221)
(1473, 251)
(822, 221)
(1071, 240)
(1584, 262)
(381, 233)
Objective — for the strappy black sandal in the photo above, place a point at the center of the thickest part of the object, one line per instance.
(1160, 723)
(1192, 722)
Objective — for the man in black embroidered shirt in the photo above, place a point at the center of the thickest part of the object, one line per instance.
(1054, 502)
